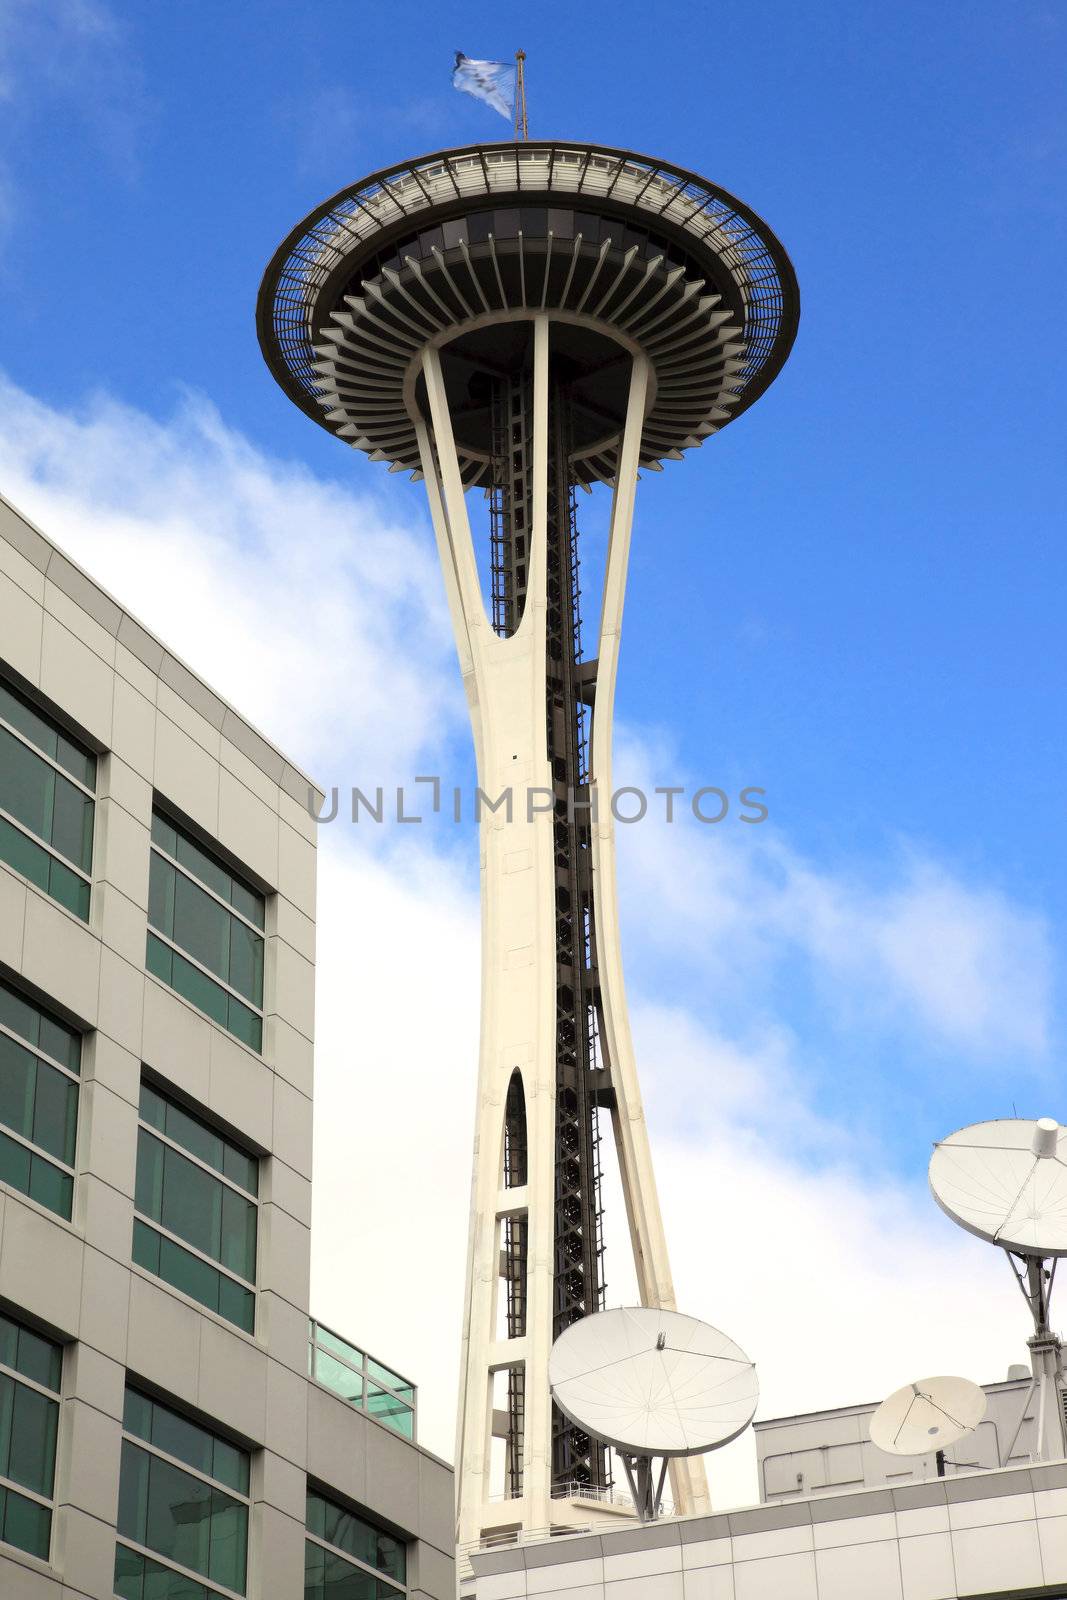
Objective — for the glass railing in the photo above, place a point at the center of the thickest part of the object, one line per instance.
(353, 1375)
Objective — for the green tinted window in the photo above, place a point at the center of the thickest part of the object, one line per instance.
(38, 1102)
(26, 1523)
(45, 870)
(199, 1138)
(356, 1536)
(192, 1443)
(194, 1276)
(202, 864)
(138, 1577)
(191, 1202)
(47, 834)
(29, 1424)
(231, 1013)
(188, 1200)
(31, 1174)
(192, 1518)
(328, 1576)
(30, 1354)
(196, 905)
(185, 913)
(39, 1028)
(183, 1518)
(40, 730)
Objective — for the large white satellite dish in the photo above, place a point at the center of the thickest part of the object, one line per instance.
(927, 1417)
(1006, 1181)
(652, 1383)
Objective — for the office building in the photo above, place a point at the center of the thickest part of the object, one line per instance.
(172, 1424)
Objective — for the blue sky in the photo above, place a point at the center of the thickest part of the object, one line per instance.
(853, 597)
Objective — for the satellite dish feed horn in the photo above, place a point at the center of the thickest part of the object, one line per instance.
(1006, 1182)
(655, 1385)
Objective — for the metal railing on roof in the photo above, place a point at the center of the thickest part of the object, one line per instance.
(356, 1377)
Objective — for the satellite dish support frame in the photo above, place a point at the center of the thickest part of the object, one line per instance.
(646, 1489)
(1046, 1354)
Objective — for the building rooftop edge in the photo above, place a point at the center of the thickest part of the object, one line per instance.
(589, 1543)
(409, 1444)
(59, 568)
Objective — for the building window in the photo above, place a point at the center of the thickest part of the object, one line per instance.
(205, 933)
(40, 1058)
(196, 1209)
(47, 802)
(354, 1376)
(346, 1554)
(183, 1497)
(30, 1368)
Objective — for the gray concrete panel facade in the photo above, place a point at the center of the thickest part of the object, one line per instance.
(999, 1535)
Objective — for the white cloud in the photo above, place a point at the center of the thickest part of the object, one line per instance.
(306, 604)
(787, 1231)
(396, 1053)
(906, 943)
(309, 606)
(840, 1283)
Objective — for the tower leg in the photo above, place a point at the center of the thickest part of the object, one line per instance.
(654, 1281)
(506, 694)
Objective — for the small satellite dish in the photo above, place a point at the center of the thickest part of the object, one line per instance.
(927, 1416)
(1006, 1182)
(653, 1382)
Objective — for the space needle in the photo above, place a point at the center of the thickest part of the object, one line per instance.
(525, 321)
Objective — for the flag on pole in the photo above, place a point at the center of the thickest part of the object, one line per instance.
(491, 81)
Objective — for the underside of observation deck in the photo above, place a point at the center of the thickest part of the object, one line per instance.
(628, 253)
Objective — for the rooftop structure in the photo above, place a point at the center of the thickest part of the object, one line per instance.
(532, 319)
(830, 1452)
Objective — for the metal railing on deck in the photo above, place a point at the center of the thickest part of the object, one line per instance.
(355, 1376)
(603, 1493)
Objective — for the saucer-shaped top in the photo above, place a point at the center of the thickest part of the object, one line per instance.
(462, 248)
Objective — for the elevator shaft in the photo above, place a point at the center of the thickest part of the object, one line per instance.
(578, 1250)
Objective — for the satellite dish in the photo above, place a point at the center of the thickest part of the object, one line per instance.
(652, 1383)
(1006, 1182)
(927, 1416)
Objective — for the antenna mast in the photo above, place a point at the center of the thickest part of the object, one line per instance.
(521, 129)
